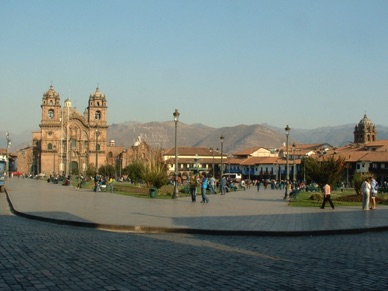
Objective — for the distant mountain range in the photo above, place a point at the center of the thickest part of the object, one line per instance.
(236, 138)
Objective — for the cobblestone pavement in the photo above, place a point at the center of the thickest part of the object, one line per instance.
(42, 256)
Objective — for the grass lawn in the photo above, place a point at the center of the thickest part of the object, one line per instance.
(346, 198)
(137, 190)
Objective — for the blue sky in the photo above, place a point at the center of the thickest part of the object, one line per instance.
(221, 63)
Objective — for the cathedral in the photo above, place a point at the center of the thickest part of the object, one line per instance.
(69, 142)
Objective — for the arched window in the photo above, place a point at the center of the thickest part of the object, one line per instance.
(49, 146)
(97, 115)
(50, 113)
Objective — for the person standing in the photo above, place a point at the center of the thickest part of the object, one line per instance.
(95, 183)
(193, 187)
(110, 184)
(365, 187)
(212, 185)
(258, 185)
(373, 193)
(327, 198)
(223, 185)
(203, 189)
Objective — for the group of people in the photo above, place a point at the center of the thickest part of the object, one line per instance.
(369, 190)
(206, 183)
(101, 182)
(369, 193)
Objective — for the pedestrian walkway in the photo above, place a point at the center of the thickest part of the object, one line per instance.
(237, 213)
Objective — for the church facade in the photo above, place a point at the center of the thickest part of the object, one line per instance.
(68, 142)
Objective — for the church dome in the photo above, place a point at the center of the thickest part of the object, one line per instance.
(365, 122)
(51, 93)
(97, 94)
(68, 103)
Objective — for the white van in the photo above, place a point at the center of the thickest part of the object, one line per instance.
(233, 176)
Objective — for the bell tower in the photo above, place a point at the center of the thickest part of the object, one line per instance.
(51, 120)
(365, 131)
(97, 108)
(97, 120)
(50, 131)
(51, 107)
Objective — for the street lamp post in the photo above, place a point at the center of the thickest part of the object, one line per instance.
(286, 194)
(212, 151)
(97, 134)
(78, 153)
(38, 166)
(176, 118)
(294, 165)
(222, 154)
(54, 151)
(7, 150)
(121, 164)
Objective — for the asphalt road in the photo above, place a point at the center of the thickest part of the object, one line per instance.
(42, 256)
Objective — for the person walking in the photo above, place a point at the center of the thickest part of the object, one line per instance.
(327, 198)
(223, 185)
(258, 185)
(193, 187)
(203, 189)
(373, 193)
(366, 187)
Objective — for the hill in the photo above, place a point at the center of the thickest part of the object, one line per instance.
(162, 134)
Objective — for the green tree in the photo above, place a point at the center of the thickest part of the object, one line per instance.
(106, 170)
(90, 171)
(325, 170)
(135, 171)
(154, 172)
(357, 181)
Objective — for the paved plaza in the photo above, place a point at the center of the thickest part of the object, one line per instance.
(266, 245)
(240, 213)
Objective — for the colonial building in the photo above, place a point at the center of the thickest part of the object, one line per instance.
(68, 142)
(266, 163)
(192, 159)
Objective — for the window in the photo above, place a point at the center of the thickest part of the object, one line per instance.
(50, 113)
(382, 166)
(49, 146)
(97, 115)
(98, 147)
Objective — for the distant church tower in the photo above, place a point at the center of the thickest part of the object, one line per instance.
(365, 131)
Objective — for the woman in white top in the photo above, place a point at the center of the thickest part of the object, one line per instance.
(365, 187)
